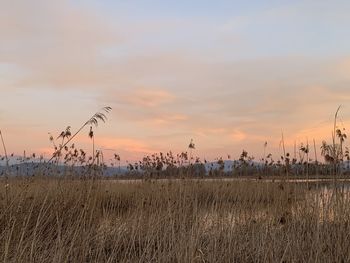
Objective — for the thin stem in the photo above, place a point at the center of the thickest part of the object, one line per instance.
(4, 146)
(93, 119)
(284, 156)
(93, 150)
(334, 146)
(316, 162)
(307, 162)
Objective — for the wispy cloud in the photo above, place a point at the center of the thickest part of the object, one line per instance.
(144, 98)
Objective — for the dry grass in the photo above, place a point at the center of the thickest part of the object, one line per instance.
(64, 220)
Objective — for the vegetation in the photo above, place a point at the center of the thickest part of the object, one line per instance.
(64, 220)
(77, 162)
(67, 211)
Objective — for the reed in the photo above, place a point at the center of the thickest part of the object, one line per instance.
(67, 220)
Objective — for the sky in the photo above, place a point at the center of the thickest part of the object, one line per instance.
(228, 74)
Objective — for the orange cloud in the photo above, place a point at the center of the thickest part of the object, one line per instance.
(169, 119)
(238, 135)
(147, 97)
(126, 144)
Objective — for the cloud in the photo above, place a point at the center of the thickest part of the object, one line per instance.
(236, 102)
(238, 135)
(198, 86)
(56, 44)
(145, 98)
(127, 144)
(147, 106)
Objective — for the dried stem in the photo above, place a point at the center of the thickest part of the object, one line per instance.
(93, 120)
(334, 146)
(5, 151)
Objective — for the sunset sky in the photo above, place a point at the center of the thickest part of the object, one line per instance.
(229, 74)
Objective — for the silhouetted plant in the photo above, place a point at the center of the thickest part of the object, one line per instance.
(117, 158)
(98, 116)
(347, 156)
(341, 136)
(5, 151)
(191, 147)
(91, 136)
(335, 154)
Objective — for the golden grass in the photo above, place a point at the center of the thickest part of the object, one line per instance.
(65, 220)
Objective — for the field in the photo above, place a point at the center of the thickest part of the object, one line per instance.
(87, 220)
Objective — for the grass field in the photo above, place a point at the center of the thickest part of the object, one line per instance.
(66, 220)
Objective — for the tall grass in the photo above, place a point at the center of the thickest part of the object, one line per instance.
(65, 220)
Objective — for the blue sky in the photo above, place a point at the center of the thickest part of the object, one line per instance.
(271, 28)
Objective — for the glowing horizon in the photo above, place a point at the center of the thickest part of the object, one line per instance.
(230, 75)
